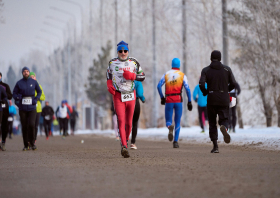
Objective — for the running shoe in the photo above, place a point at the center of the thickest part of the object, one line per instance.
(24, 149)
(225, 134)
(170, 134)
(63, 137)
(175, 145)
(47, 138)
(117, 138)
(3, 147)
(202, 131)
(34, 147)
(215, 150)
(124, 152)
(133, 146)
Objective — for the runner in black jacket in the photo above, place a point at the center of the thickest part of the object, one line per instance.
(220, 81)
(5, 116)
(47, 113)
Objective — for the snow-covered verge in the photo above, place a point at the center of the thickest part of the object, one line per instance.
(261, 137)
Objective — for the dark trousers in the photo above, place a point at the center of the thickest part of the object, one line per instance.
(27, 119)
(63, 125)
(4, 125)
(200, 110)
(37, 124)
(136, 116)
(1, 115)
(10, 128)
(47, 126)
(232, 117)
(72, 124)
(213, 111)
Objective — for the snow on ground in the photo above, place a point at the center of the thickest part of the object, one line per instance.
(262, 137)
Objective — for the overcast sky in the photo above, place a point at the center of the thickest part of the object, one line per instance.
(24, 21)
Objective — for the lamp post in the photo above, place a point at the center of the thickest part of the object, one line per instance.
(69, 50)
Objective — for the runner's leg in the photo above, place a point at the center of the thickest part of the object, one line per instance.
(135, 121)
(178, 114)
(129, 111)
(168, 113)
(120, 112)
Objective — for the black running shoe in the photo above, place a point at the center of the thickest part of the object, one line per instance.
(24, 149)
(175, 145)
(34, 147)
(124, 152)
(215, 150)
(225, 134)
(170, 134)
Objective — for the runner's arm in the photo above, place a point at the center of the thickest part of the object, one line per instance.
(39, 91)
(43, 97)
(160, 83)
(195, 92)
(187, 88)
(202, 83)
(9, 93)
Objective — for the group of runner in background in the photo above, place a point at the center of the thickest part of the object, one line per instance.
(28, 95)
(124, 82)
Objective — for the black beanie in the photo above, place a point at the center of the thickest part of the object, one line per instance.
(0, 74)
(216, 56)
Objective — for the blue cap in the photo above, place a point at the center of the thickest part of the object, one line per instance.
(25, 68)
(122, 46)
(176, 63)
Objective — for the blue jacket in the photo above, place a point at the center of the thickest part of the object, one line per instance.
(139, 90)
(26, 88)
(3, 96)
(12, 110)
(202, 100)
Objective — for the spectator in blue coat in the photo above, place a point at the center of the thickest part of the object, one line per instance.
(201, 105)
(24, 96)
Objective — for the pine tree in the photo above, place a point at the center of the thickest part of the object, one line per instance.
(97, 87)
(11, 78)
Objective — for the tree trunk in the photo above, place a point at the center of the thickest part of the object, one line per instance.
(277, 102)
(239, 115)
(268, 116)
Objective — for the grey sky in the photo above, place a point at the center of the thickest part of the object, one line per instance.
(24, 20)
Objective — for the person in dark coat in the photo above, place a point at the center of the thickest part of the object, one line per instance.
(25, 99)
(47, 113)
(220, 81)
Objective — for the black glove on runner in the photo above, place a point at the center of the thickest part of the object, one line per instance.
(189, 106)
(163, 101)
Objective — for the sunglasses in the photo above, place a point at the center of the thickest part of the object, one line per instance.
(121, 51)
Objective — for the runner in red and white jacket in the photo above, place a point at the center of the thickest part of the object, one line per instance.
(121, 73)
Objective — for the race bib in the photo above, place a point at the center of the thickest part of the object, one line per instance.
(47, 117)
(10, 119)
(27, 101)
(127, 97)
(3, 105)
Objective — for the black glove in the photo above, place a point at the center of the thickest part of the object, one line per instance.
(143, 101)
(189, 106)
(163, 101)
(196, 100)
(34, 101)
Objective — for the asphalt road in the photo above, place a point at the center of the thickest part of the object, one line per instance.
(67, 168)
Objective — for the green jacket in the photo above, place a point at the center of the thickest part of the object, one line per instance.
(42, 98)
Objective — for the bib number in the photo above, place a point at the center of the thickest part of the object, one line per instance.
(10, 119)
(27, 101)
(47, 117)
(127, 97)
(3, 105)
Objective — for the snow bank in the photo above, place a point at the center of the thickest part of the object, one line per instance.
(262, 137)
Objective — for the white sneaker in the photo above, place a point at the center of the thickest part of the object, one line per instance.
(133, 146)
